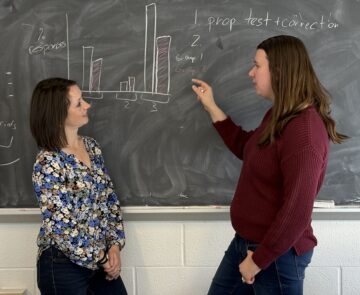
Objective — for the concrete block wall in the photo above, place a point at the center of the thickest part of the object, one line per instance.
(180, 257)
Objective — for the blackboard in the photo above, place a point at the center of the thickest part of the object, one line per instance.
(134, 61)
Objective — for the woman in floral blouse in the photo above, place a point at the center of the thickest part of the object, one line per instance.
(82, 232)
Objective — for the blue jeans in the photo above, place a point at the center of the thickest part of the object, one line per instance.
(285, 276)
(57, 275)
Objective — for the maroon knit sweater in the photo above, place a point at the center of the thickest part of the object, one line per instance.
(278, 183)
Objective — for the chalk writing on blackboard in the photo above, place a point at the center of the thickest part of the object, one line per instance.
(8, 125)
(156, 69)
(266, 20)
(296, 21)
(39, 46)
(8, 145)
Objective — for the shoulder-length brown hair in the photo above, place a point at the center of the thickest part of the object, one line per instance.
(295, 86)
(48, 111)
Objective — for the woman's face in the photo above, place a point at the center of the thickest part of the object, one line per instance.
(77, 112)
(260, 75)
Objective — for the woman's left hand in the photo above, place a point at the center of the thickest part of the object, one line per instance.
(248, 269)
(113, 271)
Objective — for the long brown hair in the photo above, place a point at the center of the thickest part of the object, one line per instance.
(48, 111)
(295, 86)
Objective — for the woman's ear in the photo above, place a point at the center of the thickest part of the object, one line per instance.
(276, 74)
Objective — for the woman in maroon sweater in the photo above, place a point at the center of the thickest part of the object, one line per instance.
(284, 162)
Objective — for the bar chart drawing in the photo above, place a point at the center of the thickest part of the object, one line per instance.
(156, 83)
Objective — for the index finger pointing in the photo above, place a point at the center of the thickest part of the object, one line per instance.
(198, 82)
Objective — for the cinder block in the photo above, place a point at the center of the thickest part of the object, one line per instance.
(338, 243)
(206, 242)
(18, 279)
(153, 244)
(128, 277)
(12, 292)
(18, 245)
(350, 280)
(322, 281)
(174, 281)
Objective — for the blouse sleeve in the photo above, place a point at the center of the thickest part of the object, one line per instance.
(59, 220)
(115, 234)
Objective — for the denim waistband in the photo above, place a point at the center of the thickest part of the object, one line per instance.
(54, 252)
(251, 245)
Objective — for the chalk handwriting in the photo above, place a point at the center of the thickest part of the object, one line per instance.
(8, 124)
(195, 42)
(221, 21)
(45, 48)
(40, 46)
(154, 107)
(296, 20)
(185, 58)
(41, 35)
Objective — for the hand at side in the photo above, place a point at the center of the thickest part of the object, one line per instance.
(248, 268)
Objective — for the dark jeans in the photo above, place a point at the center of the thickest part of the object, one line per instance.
(57, 275)
(285, 276)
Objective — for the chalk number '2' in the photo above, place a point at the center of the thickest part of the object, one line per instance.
(195, 42)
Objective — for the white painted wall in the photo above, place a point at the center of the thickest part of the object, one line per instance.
(179, 256)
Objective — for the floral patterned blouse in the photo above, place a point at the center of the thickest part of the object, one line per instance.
(80, 210)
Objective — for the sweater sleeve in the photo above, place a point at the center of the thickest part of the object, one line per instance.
(233, 136)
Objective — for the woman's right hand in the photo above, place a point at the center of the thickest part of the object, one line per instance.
(204, 93)
(205, 96)
(112, 271)
(111, 274)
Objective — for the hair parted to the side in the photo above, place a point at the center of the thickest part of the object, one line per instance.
(48, 111)
(295, 86)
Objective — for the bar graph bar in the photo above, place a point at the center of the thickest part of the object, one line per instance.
(150, 47)
(87, 60)
(95, 75)
(162, 78)
(91, 74)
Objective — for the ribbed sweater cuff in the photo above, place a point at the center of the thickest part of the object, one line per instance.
(263, 257)
(223, 125)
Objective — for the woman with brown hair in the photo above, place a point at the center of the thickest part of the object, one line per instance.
(82, 232)
(284, 163)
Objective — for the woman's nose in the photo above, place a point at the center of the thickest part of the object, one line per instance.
(251, 72)
(87, 105)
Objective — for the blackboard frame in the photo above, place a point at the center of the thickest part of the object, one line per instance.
(189, 165)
